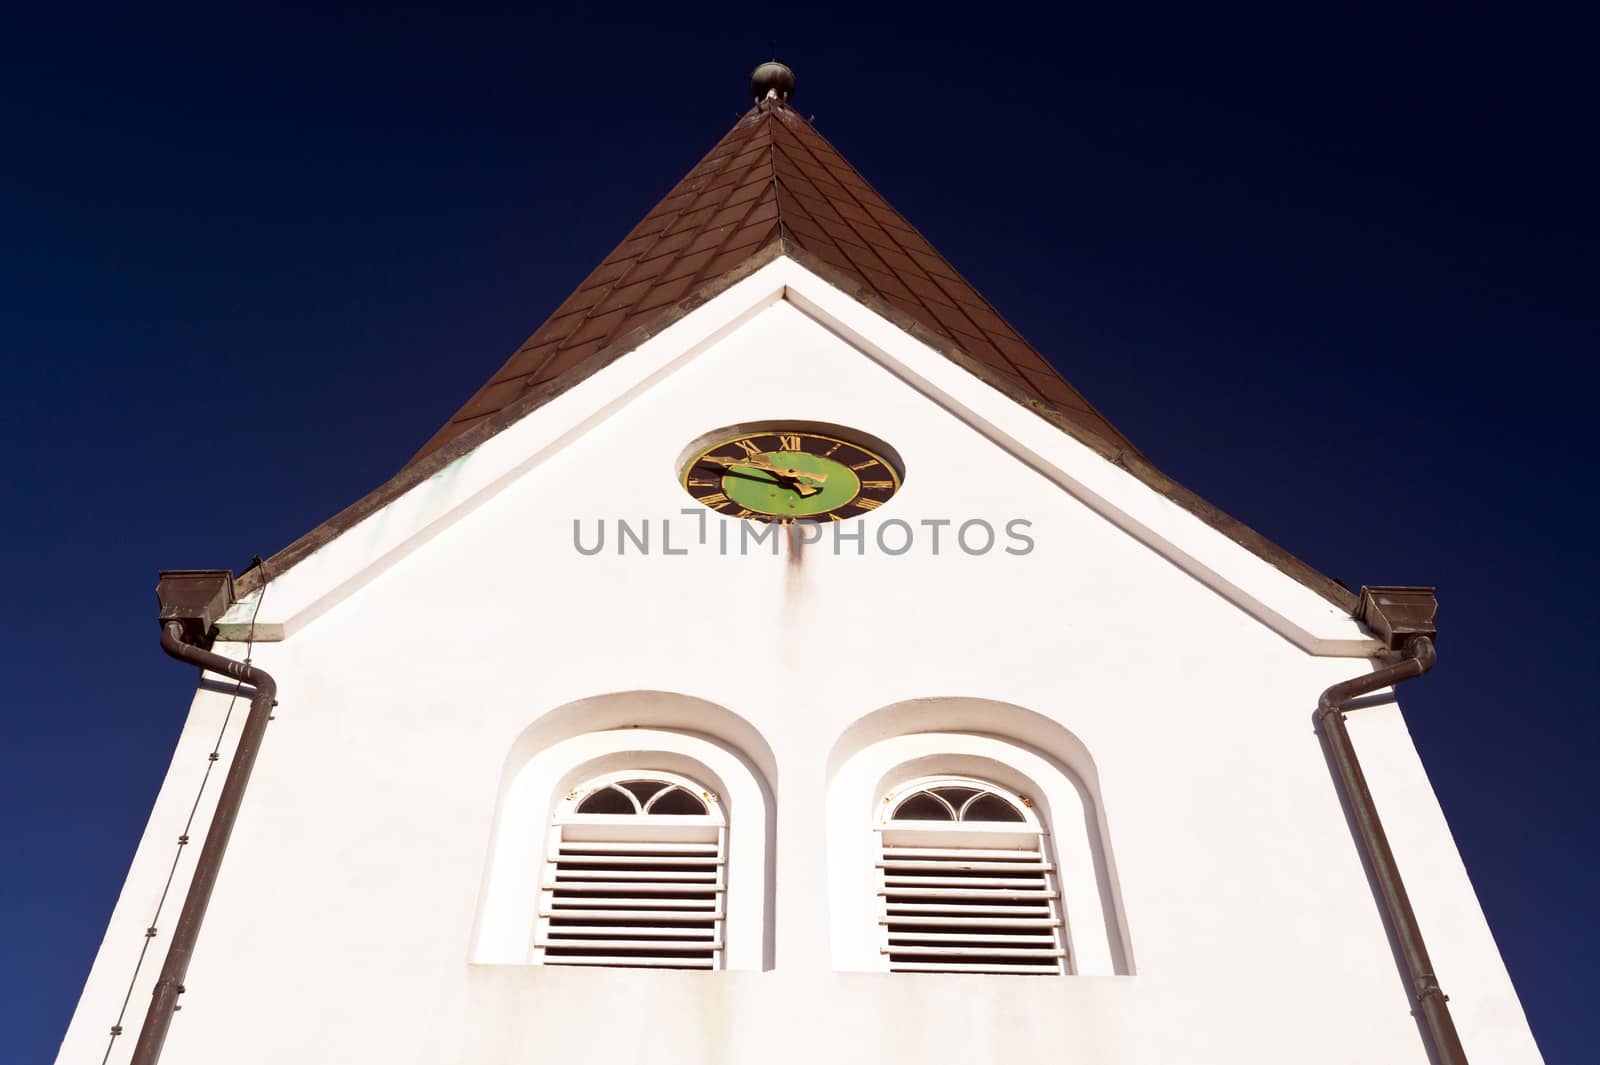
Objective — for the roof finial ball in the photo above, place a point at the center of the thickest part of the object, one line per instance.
(771, 81)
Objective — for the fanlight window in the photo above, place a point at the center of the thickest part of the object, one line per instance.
(956, 803)
(635, 875)
(966, 882)
(628, 797)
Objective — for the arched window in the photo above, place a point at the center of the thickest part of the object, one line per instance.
(965, 881)
(635, 875)
(578, 752)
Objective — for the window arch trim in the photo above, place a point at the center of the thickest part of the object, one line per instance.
(1062, 800)
(536, 780)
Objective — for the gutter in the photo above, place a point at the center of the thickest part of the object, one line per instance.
(191, 601)
(1403, 618)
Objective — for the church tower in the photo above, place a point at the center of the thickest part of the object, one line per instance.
(778, 659)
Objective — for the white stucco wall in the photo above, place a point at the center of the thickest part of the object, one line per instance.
(418, 674)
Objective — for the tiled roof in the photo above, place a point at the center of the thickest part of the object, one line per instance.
(773, 179)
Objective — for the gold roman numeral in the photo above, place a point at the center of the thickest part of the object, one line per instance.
(864, 465)
(716, 500)
(788, 443)
(831, 450)
(868, 504)
(701, 482)
(750, 447)
(877, 484)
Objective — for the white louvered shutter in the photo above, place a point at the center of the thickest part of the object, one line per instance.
(634, 890)
(967, 896)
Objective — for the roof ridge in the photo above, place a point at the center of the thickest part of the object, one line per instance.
(772, 164)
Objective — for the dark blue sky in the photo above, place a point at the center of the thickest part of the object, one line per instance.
(1336, 274)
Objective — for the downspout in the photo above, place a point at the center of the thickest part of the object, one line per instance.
(1403, 617)
(191, 600)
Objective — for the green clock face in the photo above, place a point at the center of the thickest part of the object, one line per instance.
(787, 475)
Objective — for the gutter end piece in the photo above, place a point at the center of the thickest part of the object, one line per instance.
(1398, 614)
(195, 599)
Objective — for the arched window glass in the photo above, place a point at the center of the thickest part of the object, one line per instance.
(965, 882)
(630, 797)
(956, 803)
(635, 875)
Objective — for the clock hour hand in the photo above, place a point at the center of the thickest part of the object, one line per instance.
(799, 487)
(783, 473)
(761, 462)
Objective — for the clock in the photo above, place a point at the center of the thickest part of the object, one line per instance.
(786, 474)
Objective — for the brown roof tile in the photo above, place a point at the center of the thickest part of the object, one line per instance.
(801, 224)
(930, 295)
(561, 361)
(1054, 389)
(692, 265)
(903, 264)
(627, 295)
(706, 240)
(774, 180)
(601, 327)
(493, 397)
(889, 286)
(667, 290)
(651, 224)
(528, 360)
(672, 244)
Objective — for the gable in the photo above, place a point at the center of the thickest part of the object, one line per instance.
(322, 570)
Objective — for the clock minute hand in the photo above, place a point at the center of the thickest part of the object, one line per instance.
(800, 488)
(785, 474)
